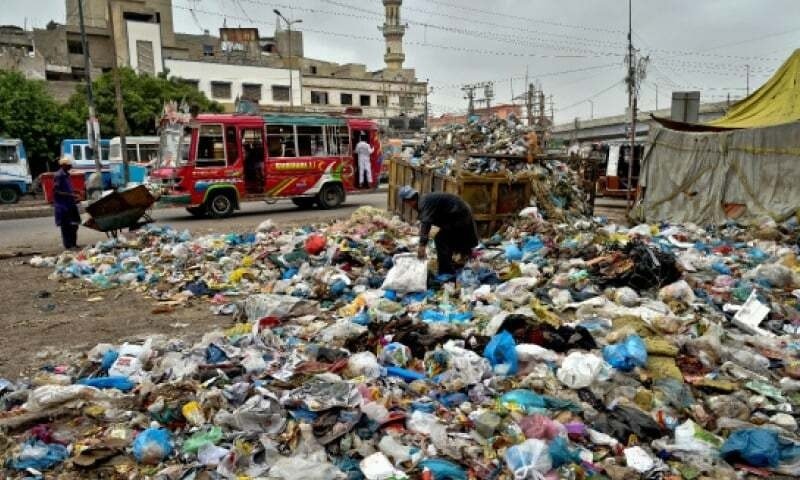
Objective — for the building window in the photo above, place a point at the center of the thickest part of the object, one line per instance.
(221, 90)
(319, 98)
(280, 141)
(347, 99)
(365, 100)
(252, 92)
(313, 69)
(210, 146)
(281, 93)
(144, 55)
(208, 50)
(407, 102)
(75, 47)
(382, 101)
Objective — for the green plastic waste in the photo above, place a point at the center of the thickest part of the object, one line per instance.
(203, 437)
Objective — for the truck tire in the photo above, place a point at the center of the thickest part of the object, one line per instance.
(304, 202)
(331, 196)
(221, 204)
(197, 212)
(9, 195)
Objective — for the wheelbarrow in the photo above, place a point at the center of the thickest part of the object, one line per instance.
(119, 210)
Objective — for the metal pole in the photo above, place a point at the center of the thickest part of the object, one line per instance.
(426, 102)
(89, 93)
(631, 104)
(748, 79)
(121, 128)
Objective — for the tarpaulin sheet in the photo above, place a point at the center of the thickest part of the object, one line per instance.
(775, 103)
(693, 177)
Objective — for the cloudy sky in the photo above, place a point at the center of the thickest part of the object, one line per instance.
(574, 49)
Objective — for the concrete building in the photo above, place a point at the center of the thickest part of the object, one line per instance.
(616, 128)
(236, 64)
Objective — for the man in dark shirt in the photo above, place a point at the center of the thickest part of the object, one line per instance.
(65, 203)
(457, 230)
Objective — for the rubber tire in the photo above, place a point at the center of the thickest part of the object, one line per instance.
(220, 205)
(304, 202)
(197, 212)
(331, 196)
(8, 195)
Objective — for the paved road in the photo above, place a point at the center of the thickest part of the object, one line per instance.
(41, 234)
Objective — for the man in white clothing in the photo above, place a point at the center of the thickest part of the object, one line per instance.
(364, 150)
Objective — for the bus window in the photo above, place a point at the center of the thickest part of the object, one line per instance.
(77, 152)
(281, 141)
(147, 152)
(310, 142)
(344, 140)
(210, 146)
(231, 145)
(133, 154)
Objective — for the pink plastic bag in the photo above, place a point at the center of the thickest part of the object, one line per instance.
(539, 426)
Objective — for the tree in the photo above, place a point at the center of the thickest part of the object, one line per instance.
(143, 98)
(30, 113)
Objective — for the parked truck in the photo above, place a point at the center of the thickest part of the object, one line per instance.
(15, 177)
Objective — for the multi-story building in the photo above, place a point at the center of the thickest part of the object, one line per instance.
(237, 64)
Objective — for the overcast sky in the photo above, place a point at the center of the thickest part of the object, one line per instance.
(573, 48)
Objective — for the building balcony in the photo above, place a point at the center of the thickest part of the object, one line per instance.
(392, 3)
(394, 57)
(393, 30)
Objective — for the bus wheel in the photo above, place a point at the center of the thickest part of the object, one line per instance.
(331, 196)
(197, 212)
(9, 195)
(304, 202)
(220, 205)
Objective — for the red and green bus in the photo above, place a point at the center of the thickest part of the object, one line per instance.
(211, 163)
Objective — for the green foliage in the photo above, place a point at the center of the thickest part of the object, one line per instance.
(28, 112)
(143, 100)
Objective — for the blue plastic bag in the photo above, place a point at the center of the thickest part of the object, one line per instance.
(443, 469)
(214, 354)
(108, 359)
(39, 455)
(531, 402)
(513, 253)
(152, 446)
(626, 355)
(561, 454)
(502, 354)
(533, 244)
(405, 374)
(753, 446)
(118, 382)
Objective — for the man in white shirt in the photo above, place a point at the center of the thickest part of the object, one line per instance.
(364, 150)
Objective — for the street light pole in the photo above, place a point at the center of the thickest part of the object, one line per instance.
(87, 71)
(291, 58)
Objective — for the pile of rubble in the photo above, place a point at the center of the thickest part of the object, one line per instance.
(577, 350)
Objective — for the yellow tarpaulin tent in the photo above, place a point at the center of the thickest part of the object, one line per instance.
(775, 103)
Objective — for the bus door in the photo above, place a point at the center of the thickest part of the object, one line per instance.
(371, 137)
(252, 139)
(217, 157)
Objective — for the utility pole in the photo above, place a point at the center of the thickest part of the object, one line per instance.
(427, 91)
(529, 104)
(291, 57)
(748, 79)
(631, 104)
(469, 91)
(87, 71)
(121, 127)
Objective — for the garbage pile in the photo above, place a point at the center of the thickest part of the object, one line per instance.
(559, 351)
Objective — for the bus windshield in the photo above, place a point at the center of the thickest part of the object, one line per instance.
(174, 148)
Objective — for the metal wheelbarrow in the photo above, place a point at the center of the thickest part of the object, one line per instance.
(119, 210)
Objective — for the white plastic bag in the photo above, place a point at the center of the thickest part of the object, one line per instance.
(409, 274)
(579, 370)
(529, 459)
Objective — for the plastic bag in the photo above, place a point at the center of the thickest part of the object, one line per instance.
(579, 370)
(502, 354)
(397, 451)
(531, 402)
(39, 455)
(626, 355)
(541, 427)
(120, 383)
(443, 469)
(691, 437)
(378, 467)
(202, 438)
(528, 459)
(152, 446)
(754, 446)
(679, 290)
(395, 354)
(193, 413)
(409, 274)
(315, 243)
(561, 454)
(363, 364)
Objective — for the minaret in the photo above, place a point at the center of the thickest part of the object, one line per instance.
(393, 32)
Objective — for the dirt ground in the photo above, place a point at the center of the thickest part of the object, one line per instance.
(47, 322)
